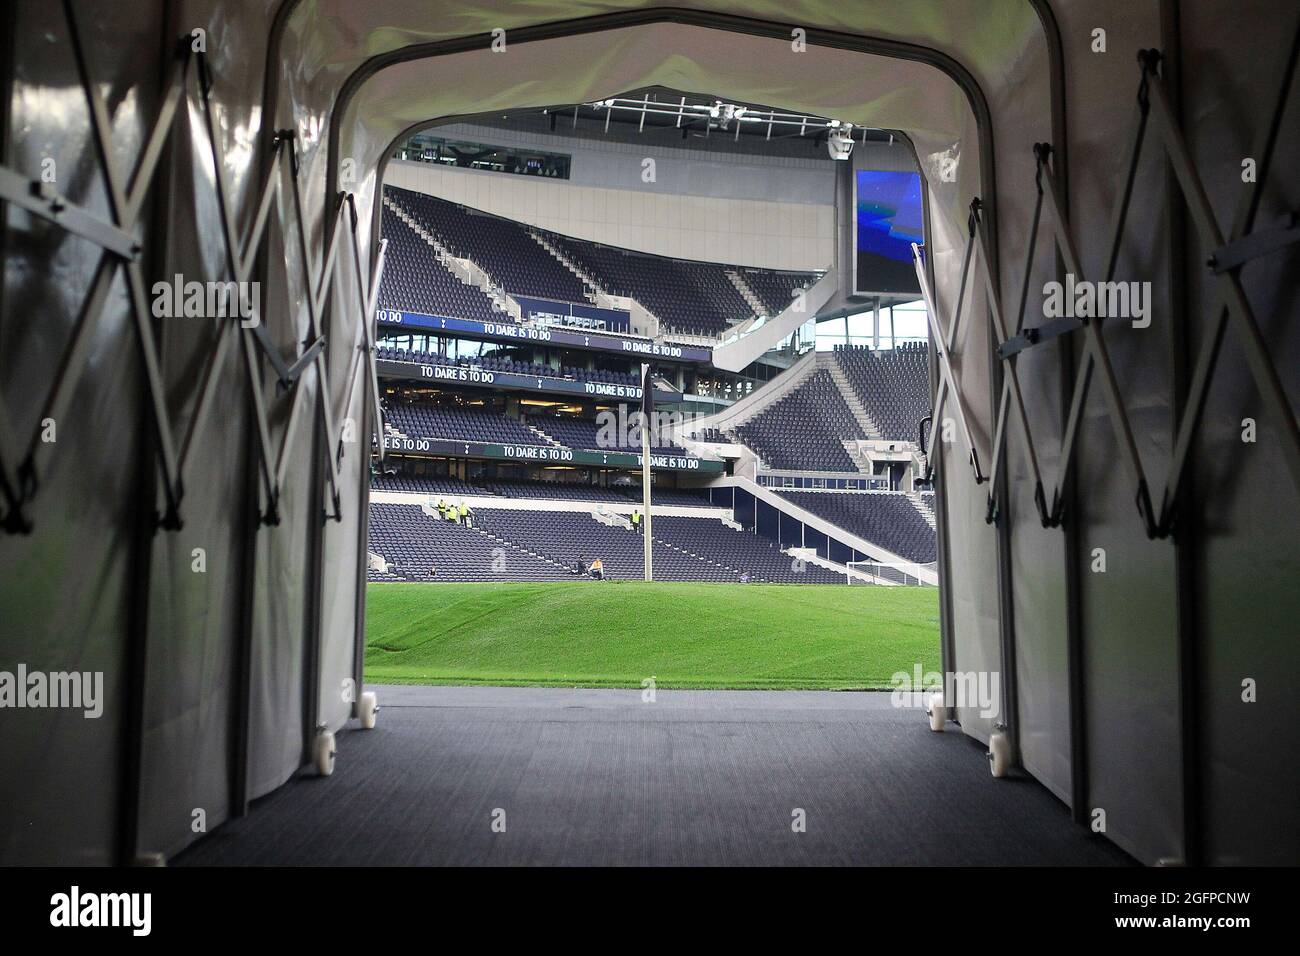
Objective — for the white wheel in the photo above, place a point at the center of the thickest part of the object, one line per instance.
(323, 753)
(999, 754)
(936, 710)
(368, 710)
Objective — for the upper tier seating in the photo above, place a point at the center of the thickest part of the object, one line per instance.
(501, 248)
(805, 429)
(776, 289)
(887, 519)
(415, 281)
(688, 297)
(694, 298)
(893, 386)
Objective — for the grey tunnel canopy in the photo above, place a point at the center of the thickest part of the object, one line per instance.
(1122, 619)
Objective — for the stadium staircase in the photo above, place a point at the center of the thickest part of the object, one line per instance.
(594, 288)
(926, 508)
(521, 549)
(830, 362)
(463, 269)
(546, 439)
(748, 294)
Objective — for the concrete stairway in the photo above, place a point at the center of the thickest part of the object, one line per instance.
(755, 303)
(594, 288)
(828, 361)
(475, 276)
(926, 513)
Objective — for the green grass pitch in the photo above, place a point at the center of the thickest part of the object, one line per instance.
(616, 634)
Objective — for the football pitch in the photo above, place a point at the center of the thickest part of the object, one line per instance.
(618, 634)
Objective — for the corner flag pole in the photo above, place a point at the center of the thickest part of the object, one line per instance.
(647, 410)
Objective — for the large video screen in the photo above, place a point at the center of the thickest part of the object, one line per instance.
(887, 219)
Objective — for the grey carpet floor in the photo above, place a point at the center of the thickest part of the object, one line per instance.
(597, 777)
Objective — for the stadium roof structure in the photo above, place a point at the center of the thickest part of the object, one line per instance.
(1068, 441)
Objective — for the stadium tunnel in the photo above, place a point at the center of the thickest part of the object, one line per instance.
(1123, 636)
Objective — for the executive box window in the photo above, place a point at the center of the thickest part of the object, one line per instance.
(422, 148)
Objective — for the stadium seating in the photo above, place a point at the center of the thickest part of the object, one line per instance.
(458, 422)
(776, 290)
(496, 364)
(804, 429)
(887, 519)
(695, 298)
(501, 248)
(688, 297)
(584, 433)
(893, 386)
(742, 551)
(545, 545)
(420, 547)
(426, 485)
(539, 489)
(416, 281)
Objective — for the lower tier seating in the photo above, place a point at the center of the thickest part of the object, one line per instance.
(888, 519)
(533, 545)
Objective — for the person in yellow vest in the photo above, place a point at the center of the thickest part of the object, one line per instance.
(636, 521)
(442, 509)
(597, 569)
(466, 516)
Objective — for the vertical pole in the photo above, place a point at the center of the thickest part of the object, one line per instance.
(645, 478)
(1187, 540)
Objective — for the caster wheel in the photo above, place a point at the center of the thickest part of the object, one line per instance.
(935, 709)
(368, 710)
(323, 753)
(999, 754)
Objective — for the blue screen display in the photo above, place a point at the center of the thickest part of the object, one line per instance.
(887, 220)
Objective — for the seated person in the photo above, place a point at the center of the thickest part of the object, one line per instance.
(597, 570)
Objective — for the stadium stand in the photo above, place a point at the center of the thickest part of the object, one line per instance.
(776, 290)
(420, 547)
(501, 248)
(536, 489)
(458, 422)
(805, 429)
(499, 364)
(688, 297)
(584, 433)
(885, 518)
(695, 298)
(416, 281)
(893, 385)
(427, 485)
(547, 545)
